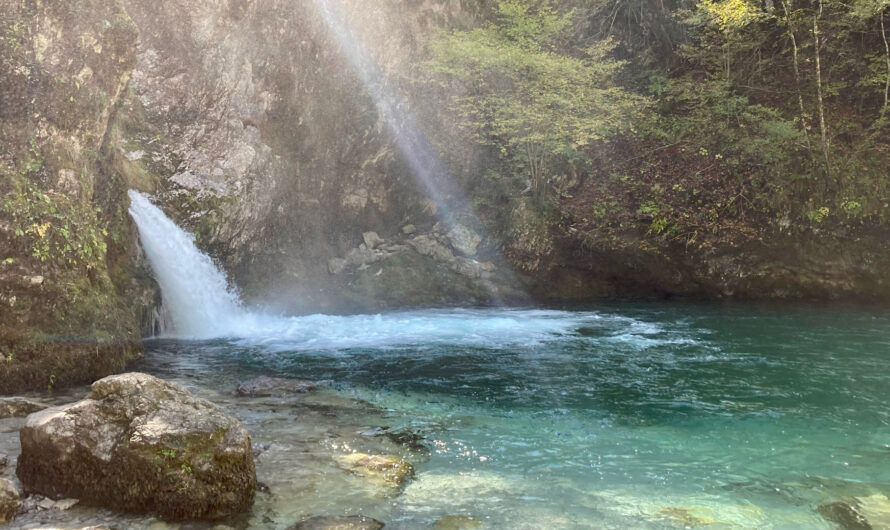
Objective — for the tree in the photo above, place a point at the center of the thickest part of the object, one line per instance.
(541, 103)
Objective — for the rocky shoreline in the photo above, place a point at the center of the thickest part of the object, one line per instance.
(140, 452)
(314, 460)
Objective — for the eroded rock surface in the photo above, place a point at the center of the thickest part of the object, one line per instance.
(143, 445)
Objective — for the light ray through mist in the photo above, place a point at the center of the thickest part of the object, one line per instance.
(426, 165)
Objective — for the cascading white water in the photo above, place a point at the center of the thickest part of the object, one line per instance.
(195, 292)
(200, 305)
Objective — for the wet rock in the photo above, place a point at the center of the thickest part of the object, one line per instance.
(143, 445)
(337, 265)
(17, 407)
(350, 522)
(4, 461)
(464, 239)
(410, 440)
(846, 515)
(428, 246)
(382, 470)
(458, 522)
(274, 387)
(360, 257)
(259, 449)
(372, 240)
(10, 501)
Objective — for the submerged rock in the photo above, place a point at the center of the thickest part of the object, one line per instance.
(17, 407)
(274, 386)
(142, 445)
(687, 517)
(10, 501)
(846, 515)
(349, 522)
(387, 470)
(458, 522)
(859, 513)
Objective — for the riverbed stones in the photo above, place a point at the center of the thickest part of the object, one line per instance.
(10, 501)
(458, 522)
(382, 470)
(274, 387)
(142, 445)
(327, 522)
(18, 407)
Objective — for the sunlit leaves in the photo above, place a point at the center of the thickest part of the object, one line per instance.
(539, 103)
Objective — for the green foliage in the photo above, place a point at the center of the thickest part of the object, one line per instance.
(56, 229)
(540, 105)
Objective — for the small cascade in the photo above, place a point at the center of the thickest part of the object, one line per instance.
(197, 300)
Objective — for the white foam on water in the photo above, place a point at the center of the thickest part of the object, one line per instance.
(202, 306)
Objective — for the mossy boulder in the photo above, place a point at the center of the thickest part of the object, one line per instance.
(142, 445)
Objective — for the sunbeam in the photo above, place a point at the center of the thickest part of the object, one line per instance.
(427, 167)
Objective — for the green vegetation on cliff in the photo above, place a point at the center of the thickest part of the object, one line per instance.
(67, 308)
(701, 125)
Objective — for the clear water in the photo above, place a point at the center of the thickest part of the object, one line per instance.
(624, 416)
(643, 416)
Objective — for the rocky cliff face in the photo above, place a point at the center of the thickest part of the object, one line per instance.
(66, 281)
(252, 125)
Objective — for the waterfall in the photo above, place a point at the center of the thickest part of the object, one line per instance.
(198, 304)
(195, 292)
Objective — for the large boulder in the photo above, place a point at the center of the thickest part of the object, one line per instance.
(141, 445)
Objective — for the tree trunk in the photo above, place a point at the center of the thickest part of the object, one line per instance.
(823, 130)
(796, 62)
(886, 56)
